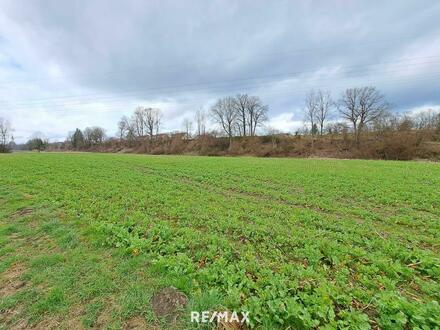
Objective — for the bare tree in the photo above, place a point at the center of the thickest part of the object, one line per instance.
(361, 106)
(324, 103)
(311, 108)
(123, 127)
(426, 119)
(152, 121)
(372, 106)
(5, 135)
(127, 129)
(386, 122)
(200, 122)
(87, 133)
(187, 127)
(311, 111)
(145, 122)
(224, 113)
(241, 105)
(250, 113)
(93, 135)
(256, 114)
(336, 128)
(348, 107)
(138, 121)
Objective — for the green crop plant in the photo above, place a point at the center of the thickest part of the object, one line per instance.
(298, 243)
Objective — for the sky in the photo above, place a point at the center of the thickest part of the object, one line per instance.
(69, 64)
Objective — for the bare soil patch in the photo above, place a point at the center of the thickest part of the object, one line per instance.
(137, 323)
(7, 318)
(10, 281)
(74, 319)
(168, 303)
(23, 212)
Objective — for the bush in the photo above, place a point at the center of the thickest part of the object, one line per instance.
(398, 146)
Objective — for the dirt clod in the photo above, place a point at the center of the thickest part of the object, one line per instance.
(168, 303)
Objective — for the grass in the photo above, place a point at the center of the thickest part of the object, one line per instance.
(89, 238)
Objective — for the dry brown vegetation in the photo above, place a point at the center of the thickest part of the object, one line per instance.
(390, 145)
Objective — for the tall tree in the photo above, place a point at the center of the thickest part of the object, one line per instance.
(256, 114)
(361, 106)
(138, 121)
(224, 114)
(146, 122)
(348, 106)
(324, 104)
(123, 127)
(187, 127)
(152, 121)
(250, 113)
(77, 139)
(200, 118)
(241, 108)
(311, 108)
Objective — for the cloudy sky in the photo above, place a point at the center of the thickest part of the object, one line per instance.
(68, 64)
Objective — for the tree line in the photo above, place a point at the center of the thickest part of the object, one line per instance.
(240, 115)
(90, 136)
(145, 122)
(354, 113)
(358, 106)
(353, 117)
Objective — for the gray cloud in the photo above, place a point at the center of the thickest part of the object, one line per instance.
(78, 63)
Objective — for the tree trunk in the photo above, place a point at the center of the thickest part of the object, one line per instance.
(355, 134)
(358, 135)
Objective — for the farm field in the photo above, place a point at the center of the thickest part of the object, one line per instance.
(86, 240)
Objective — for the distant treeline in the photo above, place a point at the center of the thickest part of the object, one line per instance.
(360, 124)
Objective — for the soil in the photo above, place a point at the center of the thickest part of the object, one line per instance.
(168, 304)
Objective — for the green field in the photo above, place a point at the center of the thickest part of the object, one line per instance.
(87, 239)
